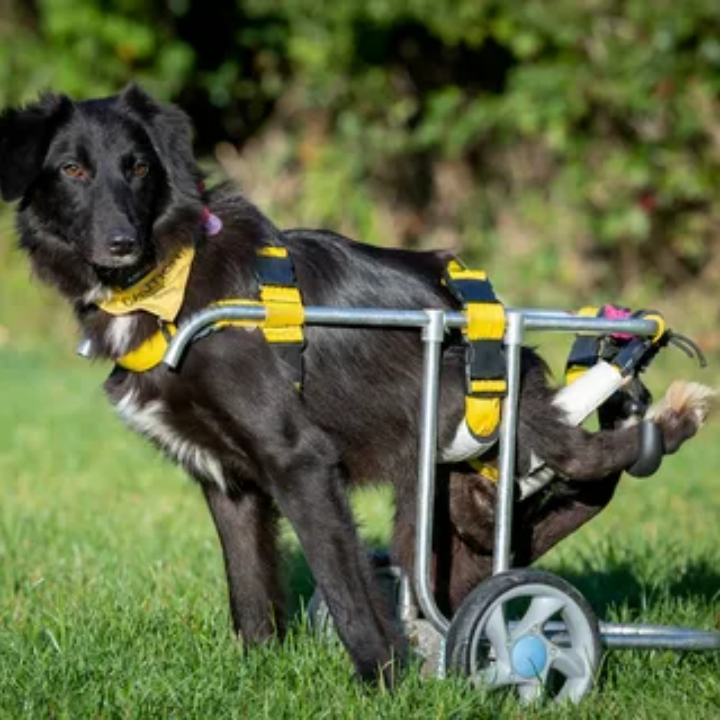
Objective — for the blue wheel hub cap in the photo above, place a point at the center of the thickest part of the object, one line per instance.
(529, 656)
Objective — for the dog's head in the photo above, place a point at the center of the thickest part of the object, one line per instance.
(111, 183)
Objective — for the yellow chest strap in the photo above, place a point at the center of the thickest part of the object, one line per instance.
(279, 294)
(485, 352)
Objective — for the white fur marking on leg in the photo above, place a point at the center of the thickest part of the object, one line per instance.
(149, 420)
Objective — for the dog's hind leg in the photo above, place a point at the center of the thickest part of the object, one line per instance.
(576, 454)
(540, 522)
(556, 513)
(247, 525)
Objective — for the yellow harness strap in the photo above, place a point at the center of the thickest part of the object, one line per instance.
(283, 322)
(279, 295)
(485, 469)
(485, 355)
(150, 353)
(285, 314)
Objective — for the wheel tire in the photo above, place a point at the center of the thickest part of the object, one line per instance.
(484, 639)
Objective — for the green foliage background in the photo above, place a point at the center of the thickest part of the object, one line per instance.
(574, 142)
(572, 147)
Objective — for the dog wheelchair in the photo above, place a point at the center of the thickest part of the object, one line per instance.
(520, 628)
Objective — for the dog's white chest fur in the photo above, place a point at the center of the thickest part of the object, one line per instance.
(151, 420)
(120, 334)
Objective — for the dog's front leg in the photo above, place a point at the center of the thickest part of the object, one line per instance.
(308, 483)
(576, 454)
(246, 524)
(297, 464)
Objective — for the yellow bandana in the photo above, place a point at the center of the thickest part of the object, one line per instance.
(160, 293)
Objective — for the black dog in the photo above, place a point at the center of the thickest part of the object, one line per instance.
(109, 190)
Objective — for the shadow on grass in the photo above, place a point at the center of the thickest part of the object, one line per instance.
(622, 585)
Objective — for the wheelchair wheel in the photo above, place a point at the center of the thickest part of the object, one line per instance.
(528, 631)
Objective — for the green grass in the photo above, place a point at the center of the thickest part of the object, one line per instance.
(112, 598)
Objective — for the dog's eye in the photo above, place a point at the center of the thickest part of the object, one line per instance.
(74, 170)
(140, 169)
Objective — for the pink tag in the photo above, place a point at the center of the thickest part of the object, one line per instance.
(212, 223)
(615, 313)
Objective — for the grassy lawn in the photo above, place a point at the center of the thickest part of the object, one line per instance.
(112, 598)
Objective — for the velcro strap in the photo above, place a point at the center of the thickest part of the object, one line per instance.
(486, 320)
(486, 359)
(284, 311)
(639, 352)
(485, 352)
(288, 334)
(482, 415)
(274, 266)
(631, 356)
(283, 306)
(281, 325)
(489, 388)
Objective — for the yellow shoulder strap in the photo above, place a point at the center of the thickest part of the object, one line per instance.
(485, 355)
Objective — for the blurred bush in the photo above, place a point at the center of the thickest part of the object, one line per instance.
(571, 146)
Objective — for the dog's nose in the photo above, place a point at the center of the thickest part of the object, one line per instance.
(122, 244)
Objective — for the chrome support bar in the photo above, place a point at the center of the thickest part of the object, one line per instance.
(621, 636)
(561, 321)
(658, 637)
(508, 439)
(432, 337)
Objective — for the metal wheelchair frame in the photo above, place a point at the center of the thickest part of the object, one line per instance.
(433, 325)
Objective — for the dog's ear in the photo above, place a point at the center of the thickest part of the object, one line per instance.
(25, 135)
(171, 134)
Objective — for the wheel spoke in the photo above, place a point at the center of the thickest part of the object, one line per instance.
(540, 611)
(496, 675)
(496, 632)
(567, 662)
